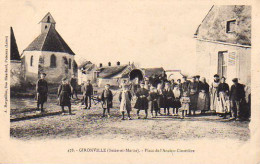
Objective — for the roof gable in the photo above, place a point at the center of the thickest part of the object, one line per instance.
(50, 41)
(48, 19)
(14, 49)
(213, 27)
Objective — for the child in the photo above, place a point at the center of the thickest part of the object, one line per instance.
(153, 104)
(142, 102)
(176, 102)
(185, 101)
(125, 98)
(107, 98)
(64, 94)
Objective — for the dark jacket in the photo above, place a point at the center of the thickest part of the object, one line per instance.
(237, 92)
(153, 103)
(168, 98)
(193, 88)
(141, 102)
(107, 99)
(185, 86)
(223, 87)
(87, 90)
(203, 86)
(42, 91)
(64, 94)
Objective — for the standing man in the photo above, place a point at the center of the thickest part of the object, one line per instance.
(237, 95)
(42, 91)
(185, 85)
(193, 92)
(142, 101)
(168, 98)
(73, 83)
(87, 93)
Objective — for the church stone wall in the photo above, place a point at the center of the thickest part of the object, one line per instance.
(16, 74)
(62, 69)
(42, 63)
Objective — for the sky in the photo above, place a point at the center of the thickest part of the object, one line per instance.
(148, 33)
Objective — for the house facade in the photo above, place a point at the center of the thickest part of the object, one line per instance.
(223, 43)
(48, 53)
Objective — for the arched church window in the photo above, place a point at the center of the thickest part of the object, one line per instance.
(46, 26)
(48, 19)
(31, 62)
(53, 61)
(69, 63)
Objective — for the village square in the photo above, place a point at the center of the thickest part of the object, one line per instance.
(55, 96)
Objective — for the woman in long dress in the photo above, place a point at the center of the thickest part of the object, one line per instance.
(125, 98)
(213, 93)
(64, 94)
(223, 97)
(203, 98)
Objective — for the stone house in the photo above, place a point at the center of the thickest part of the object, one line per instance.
(48, 53)
(223, 43)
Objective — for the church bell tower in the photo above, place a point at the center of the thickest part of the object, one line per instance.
(47, 22)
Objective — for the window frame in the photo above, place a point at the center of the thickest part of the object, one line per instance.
(53, 65)
(31, 61)
(228, 22)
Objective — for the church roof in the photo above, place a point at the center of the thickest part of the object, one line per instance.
(50, 41)
(14, 49)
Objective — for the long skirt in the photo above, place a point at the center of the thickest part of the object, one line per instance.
(64, 99)
(176, 103)
(224, 104)
(203, 101)
(193, 102)
(214, 101)
(161, 102)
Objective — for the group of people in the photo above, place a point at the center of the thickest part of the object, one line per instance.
(185, 97)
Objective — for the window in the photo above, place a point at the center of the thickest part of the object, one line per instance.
(69, 63)
(31, 62)
(53, 61)
(46, 27)
(48, 19)
(231, 25)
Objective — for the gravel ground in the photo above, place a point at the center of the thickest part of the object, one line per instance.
(88, 124)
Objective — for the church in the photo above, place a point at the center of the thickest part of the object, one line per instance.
(48, 53)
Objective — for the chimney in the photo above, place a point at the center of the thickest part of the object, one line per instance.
(118, 63)
(109, 64)
(100, 65)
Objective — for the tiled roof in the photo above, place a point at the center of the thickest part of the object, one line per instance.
(110, 71)
(50, 41)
